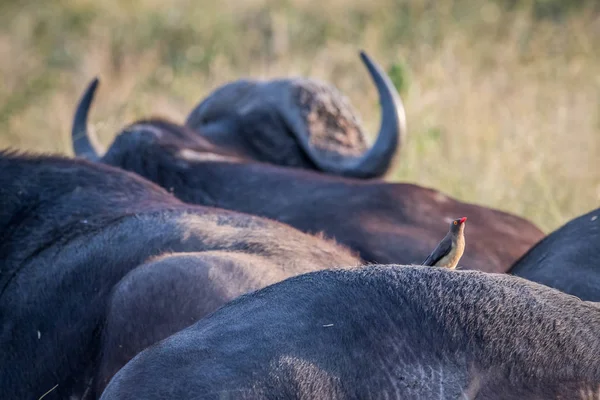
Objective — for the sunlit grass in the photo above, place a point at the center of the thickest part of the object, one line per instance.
(503, 108)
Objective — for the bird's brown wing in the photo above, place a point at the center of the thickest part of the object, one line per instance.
(442, 249)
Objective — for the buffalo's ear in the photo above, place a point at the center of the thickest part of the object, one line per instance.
(270, 140)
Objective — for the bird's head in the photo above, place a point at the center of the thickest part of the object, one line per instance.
(458, 225)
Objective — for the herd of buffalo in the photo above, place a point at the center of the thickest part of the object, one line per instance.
(256, 252)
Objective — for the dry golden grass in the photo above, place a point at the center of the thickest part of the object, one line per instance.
(503, 108)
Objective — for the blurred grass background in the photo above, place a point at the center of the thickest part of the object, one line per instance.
(502, 96)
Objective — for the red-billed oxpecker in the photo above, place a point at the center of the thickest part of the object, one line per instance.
(451, 248)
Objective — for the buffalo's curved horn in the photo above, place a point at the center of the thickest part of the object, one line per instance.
(392, 131)
(85, 145)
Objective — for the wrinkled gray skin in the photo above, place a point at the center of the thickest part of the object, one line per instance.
(401, 332)
(294, 122)
(568, 259)
(97, 263)
(386, 223)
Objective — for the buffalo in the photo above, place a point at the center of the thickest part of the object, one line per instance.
(403, 332)
(296, 122)
(384, 222)
(97, 263)
(568, 259)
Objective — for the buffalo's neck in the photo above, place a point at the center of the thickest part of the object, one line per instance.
(251, 188)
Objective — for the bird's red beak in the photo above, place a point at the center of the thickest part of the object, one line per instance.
(462, 220)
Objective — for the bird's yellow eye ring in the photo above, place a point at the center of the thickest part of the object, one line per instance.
(455, 222)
